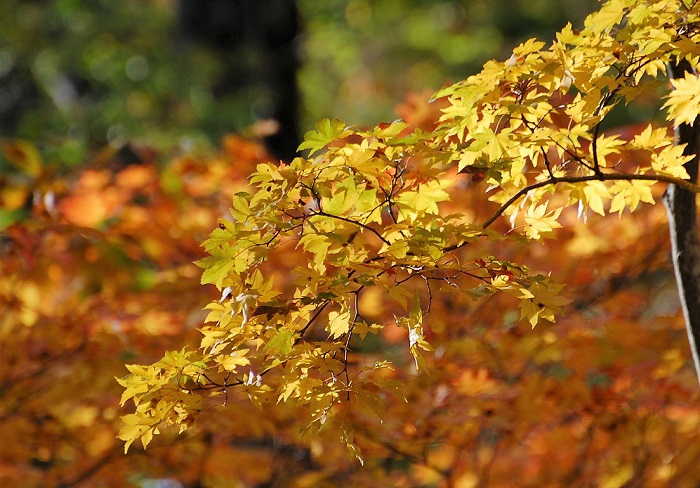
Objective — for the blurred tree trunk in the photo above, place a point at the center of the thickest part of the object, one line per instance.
(18, 93)
(257, 39)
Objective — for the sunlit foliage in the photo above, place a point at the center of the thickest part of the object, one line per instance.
(409, 230)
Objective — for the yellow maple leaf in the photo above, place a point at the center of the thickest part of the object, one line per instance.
(424, 200)
(539, 222)
(630, 193)
(338, 323)
(683, 102)
(233, 360)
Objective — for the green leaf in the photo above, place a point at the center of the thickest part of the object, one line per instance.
(326, 132)
(280, 343)
(216, 268)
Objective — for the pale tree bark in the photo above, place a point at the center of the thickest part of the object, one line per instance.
(683, 225)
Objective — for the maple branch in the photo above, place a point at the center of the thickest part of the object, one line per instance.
(604, 102)
(89, 472)
(684, 184)
(313, 318)
(542, 150)
(546, 162)
(355, 222)
(683, 227)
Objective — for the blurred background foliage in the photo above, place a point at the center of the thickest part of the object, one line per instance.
(76, 74)
(360, 58)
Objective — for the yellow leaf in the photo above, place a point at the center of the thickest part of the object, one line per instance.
(594, 192)
(233, 360)
(338, 323)
(683, 102)
(288, 389)
(651, 138)
(240, 207)
(630, 193)
(605, 146)
(280, 343)
(539, 222)
(413, 204)
(540, 300)
(317, 244)
(134, 429)
(605, 19)
(134, 386)
(670, 160)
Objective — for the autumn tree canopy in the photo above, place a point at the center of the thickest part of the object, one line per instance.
(444, 300)
(373, 228)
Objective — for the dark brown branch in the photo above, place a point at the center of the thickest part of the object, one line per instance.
(354, 222)
(313, 318)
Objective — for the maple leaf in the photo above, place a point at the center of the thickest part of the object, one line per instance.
(683, 103)
(217, 266)
(233, 360)
(326, 131)
(539, 222)
(134, 429)
(280, 343)
(631, 194)
(338, 323)
(416, 203)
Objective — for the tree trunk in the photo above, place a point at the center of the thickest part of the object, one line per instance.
(257, 41)
(683, 226)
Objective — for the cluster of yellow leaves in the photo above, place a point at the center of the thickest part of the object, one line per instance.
(159, 377)
(88, 286)
(363, 216)
(371, 211)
